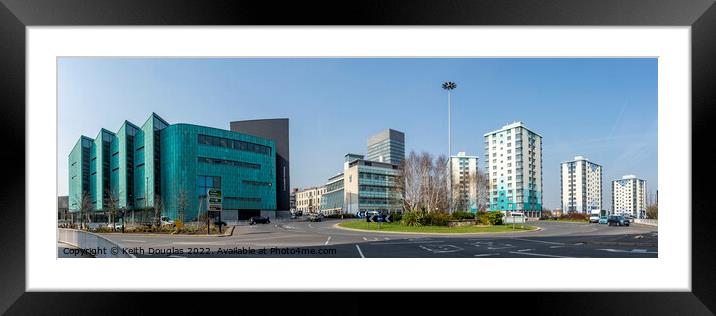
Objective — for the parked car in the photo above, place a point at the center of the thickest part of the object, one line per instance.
(165, 220)
(114, 225)
(259, 220)
(617, 220)
(315, 218)
(603, 219)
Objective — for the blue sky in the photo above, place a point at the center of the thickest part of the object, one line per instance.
(604, 109)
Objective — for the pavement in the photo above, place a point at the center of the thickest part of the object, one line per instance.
(302, 239)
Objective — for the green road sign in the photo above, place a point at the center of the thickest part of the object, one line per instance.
(214, 199)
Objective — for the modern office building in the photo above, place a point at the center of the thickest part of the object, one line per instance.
(275, 130)
(513, 163)
(309, 200)
(363, 185)
(629, 196)
(465, 182)
(172, 166)
(387, 146)
(581, 185)
(333, 199)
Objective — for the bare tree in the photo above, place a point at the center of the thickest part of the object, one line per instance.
(439, 184)
(85, 208)
(158, 208)
(182, 202)
(112, 204)
(409, 184)
(482, 190)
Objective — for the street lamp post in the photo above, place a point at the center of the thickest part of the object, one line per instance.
(449, 86)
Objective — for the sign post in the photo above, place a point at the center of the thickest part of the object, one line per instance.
(214, 198)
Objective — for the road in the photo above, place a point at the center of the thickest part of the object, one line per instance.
(323, 239)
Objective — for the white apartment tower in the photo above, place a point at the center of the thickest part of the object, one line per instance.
(629, 196)
(581, 182)
(513, 163)
(464, 180)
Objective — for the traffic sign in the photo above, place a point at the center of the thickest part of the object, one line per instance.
(214, 196)
(379, 218)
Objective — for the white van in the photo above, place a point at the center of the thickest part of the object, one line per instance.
(516, 218)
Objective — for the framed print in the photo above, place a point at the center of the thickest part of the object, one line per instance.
(460, 146)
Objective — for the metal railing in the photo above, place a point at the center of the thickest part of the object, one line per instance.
(643, 221)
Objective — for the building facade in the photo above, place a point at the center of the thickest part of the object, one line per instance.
(387, 146)
(292, 199)
(513, 164)
(309, 200)
(275, 130)
(171, 166)
(465, 182)
(581, 185)
(629, 196)
(363, 185)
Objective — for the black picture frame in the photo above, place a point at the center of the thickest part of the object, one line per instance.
(15, 15)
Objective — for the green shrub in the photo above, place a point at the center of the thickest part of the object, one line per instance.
(460, 215)
(438, 218)
(396, 217)
(490, 218)
(412, 218)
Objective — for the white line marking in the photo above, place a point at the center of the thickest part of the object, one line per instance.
(534, 240)
(553, 247)
(441, 248)
(309, 225)
(133, 240)
(525, 250)
(403, 243)
(629, 251)
(329, 239)
(579, 244)
(487, 254)
(537, 254)
(360, 252)
(175, 256)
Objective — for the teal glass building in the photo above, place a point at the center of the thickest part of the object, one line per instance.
(172, 165)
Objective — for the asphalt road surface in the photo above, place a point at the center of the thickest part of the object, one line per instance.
(292, 239)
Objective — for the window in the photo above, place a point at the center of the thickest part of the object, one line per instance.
(240, 164)
(233, 144)
(256, 183)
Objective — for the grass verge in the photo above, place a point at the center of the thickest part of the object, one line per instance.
(395, 227)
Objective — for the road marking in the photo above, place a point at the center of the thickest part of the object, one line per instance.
(629, 251)
(329, 239)
(579, 244)
(537, 254)
(525, 250)
(175, 256)
(310, 226)
(133, 240)
(553, 247)
(441, 248)
(542, 241)
(360, 252)
(403, 243)
(497, 248)
(487, 254)
(371, 239)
